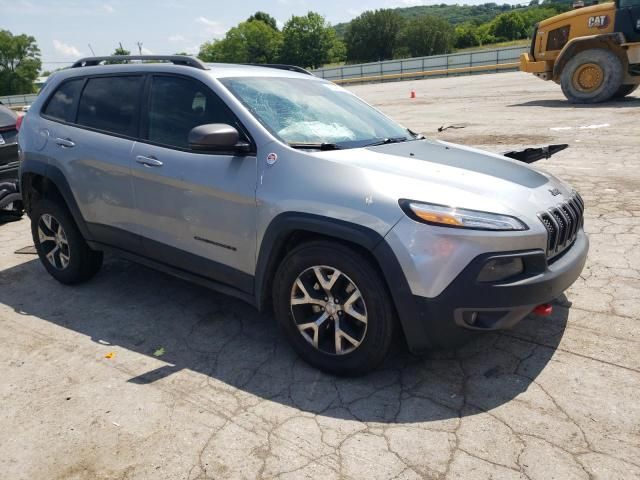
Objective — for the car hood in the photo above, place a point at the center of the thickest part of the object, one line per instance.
(448, 174)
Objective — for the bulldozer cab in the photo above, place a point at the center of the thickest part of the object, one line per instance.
(628, 19)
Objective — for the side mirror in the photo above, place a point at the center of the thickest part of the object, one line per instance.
(216, 137)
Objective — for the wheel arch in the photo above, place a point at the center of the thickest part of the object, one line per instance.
(607, 41)
(41, 180)
(290, 229)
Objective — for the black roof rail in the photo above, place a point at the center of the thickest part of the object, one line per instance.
(185, 60)
(282, 66)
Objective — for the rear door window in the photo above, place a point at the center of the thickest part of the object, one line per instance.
(62, 104)
(110, 104)
(178, 104)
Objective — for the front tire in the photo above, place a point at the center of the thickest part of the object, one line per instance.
(592, 76)
(60, 245)
(334, 308)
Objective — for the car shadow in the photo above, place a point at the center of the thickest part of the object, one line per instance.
(127, 306)
(626, 102)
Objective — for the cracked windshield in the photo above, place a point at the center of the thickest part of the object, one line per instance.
(312, 113)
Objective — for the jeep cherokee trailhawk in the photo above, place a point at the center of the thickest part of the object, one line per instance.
(291, 193)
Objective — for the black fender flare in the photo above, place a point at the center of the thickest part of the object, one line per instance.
(605, 40)
(54, 175)
(283, 225)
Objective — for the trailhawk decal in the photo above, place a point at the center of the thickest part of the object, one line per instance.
(599, 21)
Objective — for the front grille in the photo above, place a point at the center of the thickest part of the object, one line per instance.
(562, 223)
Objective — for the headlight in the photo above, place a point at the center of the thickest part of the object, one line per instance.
(459, 217)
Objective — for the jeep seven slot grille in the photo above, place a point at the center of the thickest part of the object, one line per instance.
(562, 223)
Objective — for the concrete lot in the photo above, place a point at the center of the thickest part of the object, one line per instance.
(202, 386)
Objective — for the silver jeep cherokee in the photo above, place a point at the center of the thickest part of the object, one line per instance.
(290, 192)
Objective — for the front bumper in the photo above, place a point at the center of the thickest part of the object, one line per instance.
(443, 321)
(542, 69)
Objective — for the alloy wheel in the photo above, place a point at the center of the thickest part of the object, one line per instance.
(329, 310)
(53, 241)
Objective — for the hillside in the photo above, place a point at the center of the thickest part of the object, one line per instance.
(457, 14)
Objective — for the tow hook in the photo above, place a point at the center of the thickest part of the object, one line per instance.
(543, 310)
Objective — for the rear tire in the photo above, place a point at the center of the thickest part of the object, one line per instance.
(60, 245)
(350, 333)
(592, 76)
(625, 90)
(10, 204)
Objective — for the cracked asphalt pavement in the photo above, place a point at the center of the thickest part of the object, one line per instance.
(201, 386)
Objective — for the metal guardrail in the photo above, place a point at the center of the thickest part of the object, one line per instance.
(18, 100)
(466, 63)
(433, 73)
(480, 61)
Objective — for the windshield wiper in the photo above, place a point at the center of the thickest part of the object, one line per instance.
(386, 141)
(417, 136)
(315, 146)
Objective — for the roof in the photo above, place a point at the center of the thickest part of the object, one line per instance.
(173, 62)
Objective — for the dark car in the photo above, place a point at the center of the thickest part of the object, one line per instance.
(10, 199)
(8, 145)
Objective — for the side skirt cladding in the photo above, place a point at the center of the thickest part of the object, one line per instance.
(172, 260)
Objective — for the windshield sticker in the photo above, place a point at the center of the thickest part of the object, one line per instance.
(272, 158)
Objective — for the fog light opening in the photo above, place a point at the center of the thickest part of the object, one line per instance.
(482, 319)
(470, 318)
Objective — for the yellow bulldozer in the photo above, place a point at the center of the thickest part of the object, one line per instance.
(593, 52)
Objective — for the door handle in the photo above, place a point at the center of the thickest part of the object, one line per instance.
(148, 161)
(65, 142)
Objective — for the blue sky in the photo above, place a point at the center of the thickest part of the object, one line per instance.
(64, 28)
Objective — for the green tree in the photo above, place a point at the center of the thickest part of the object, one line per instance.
(338, 52)
(373, 35)
(264, 17)
(19, 63)
(532, 16)
(309, 41)
(467, 36)
(485, 37)
(120, 50)
(249, 42)
(509, 26)
(427, 36)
